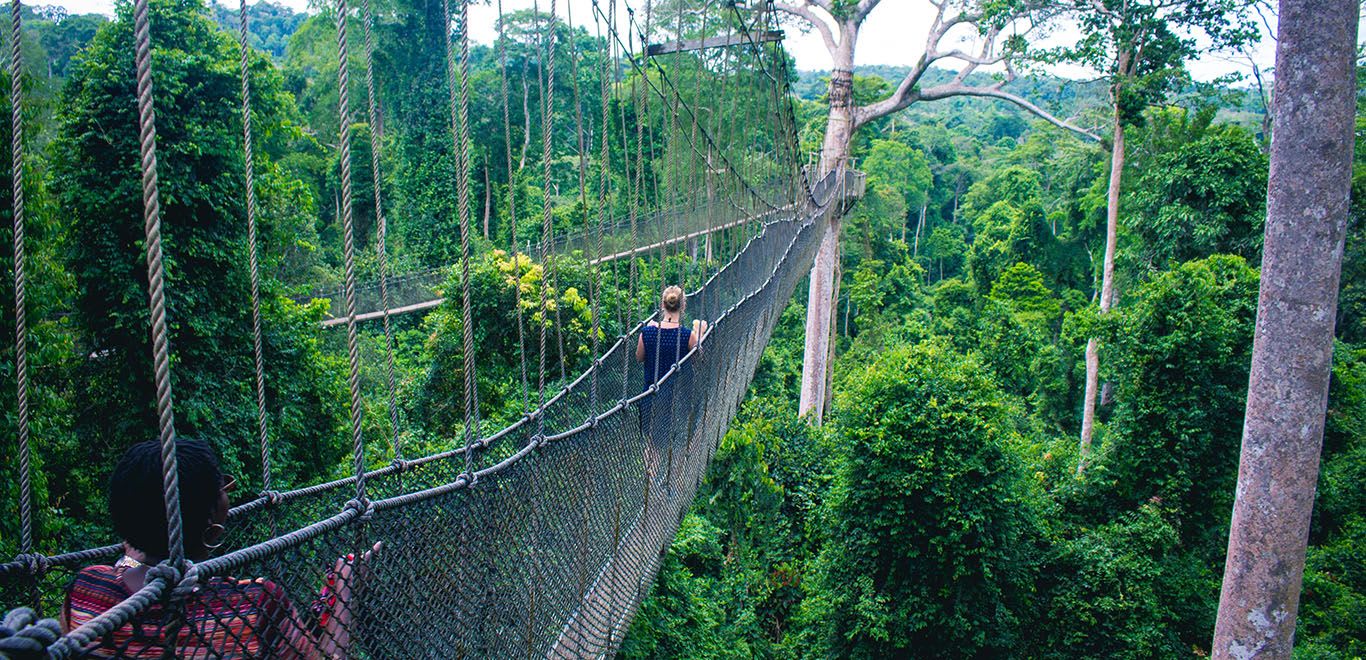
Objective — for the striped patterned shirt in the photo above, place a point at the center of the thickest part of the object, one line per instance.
(223, 619)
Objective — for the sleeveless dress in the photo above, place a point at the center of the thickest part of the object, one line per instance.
(664, 347)
(224, 618)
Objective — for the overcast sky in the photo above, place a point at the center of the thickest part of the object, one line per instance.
(892, 35)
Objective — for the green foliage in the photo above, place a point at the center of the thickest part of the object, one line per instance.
(900, 166)
(1022, 289)
(269, 25)
(204, 230)
(1107, 593)
(498, 288)
(1204, 196)
(929, 543)
(1333, 604)
(1179, 352)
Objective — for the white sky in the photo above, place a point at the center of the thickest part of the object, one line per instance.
(892, 35)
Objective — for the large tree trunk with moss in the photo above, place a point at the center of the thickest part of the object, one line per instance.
(838, 24)
(1292, 351)
(839, 132)
(1107, 283)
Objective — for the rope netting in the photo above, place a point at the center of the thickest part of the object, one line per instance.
(540, 538)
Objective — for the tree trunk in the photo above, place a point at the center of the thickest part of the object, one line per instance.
(1107, 284)
(488, 202)
(819, 303)
(830, 359)
(915, 250)
(1292, 351)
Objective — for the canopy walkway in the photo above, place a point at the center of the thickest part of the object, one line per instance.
(419, 290)
(539, 539)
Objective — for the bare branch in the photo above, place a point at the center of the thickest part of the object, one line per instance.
(994, 91)
(804, 12)
(864, 6)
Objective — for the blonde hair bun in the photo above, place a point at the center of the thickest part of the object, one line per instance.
(673, 299)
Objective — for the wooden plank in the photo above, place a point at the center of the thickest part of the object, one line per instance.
(426, 304)
(712, 42)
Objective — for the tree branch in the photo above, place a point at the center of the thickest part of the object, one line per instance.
(994, 91)
(804, 12)
(864, 6)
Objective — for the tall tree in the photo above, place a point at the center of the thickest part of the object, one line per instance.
(839, 23)
(1292, 352)
(94, 180)
(1141, 46)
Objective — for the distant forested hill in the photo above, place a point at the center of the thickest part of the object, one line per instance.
(270, 25)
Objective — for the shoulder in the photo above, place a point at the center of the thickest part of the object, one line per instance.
(99, 574)
(94, 590)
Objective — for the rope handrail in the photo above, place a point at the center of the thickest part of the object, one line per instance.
(547, 544)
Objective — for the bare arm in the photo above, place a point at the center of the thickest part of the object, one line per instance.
(699, 330)
(640, 348)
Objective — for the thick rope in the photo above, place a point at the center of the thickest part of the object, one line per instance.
(594, 274)
(16, 96)
(460, 108)
(349, 247)
(156, 283)
(547, 152)
(253, 263)
(381, 223)
(547, 232)
(512, 186)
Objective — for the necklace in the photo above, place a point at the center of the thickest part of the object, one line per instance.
(128, 562)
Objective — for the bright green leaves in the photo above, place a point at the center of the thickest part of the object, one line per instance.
(928, 548)
(1204, 196)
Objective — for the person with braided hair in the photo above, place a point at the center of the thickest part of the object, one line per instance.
(222, 617)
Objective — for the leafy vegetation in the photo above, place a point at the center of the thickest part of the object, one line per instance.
(939, 513)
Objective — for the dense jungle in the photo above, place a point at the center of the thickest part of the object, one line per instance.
(943, 508)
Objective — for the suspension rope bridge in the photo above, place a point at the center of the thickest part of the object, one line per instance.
(543, 537)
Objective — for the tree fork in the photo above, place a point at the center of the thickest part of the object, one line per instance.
(1292, 351)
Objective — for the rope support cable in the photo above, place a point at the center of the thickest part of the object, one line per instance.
(349, 247)
(381, 223)
(546, 231)
(512, 187)
(546, 83)
(457, 80)
(253, 263)
(156, 281)
(16, 91)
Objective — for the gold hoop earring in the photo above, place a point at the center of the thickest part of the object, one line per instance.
(204, 539)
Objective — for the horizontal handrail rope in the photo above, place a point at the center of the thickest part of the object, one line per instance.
(112, 619)
(81, 556)
(354, 511)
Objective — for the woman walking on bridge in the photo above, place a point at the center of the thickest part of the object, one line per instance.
(662, 345)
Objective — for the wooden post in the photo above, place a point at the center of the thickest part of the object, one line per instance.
(1292, 351)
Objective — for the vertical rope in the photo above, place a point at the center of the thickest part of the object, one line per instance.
(547, 85)
(349, 246)
(16, 97)
(605, 181)
(460, 103)
(156, 282)
(595, 245)
(547, 232)
(512, 205)
(253, 263)
(381, 222)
